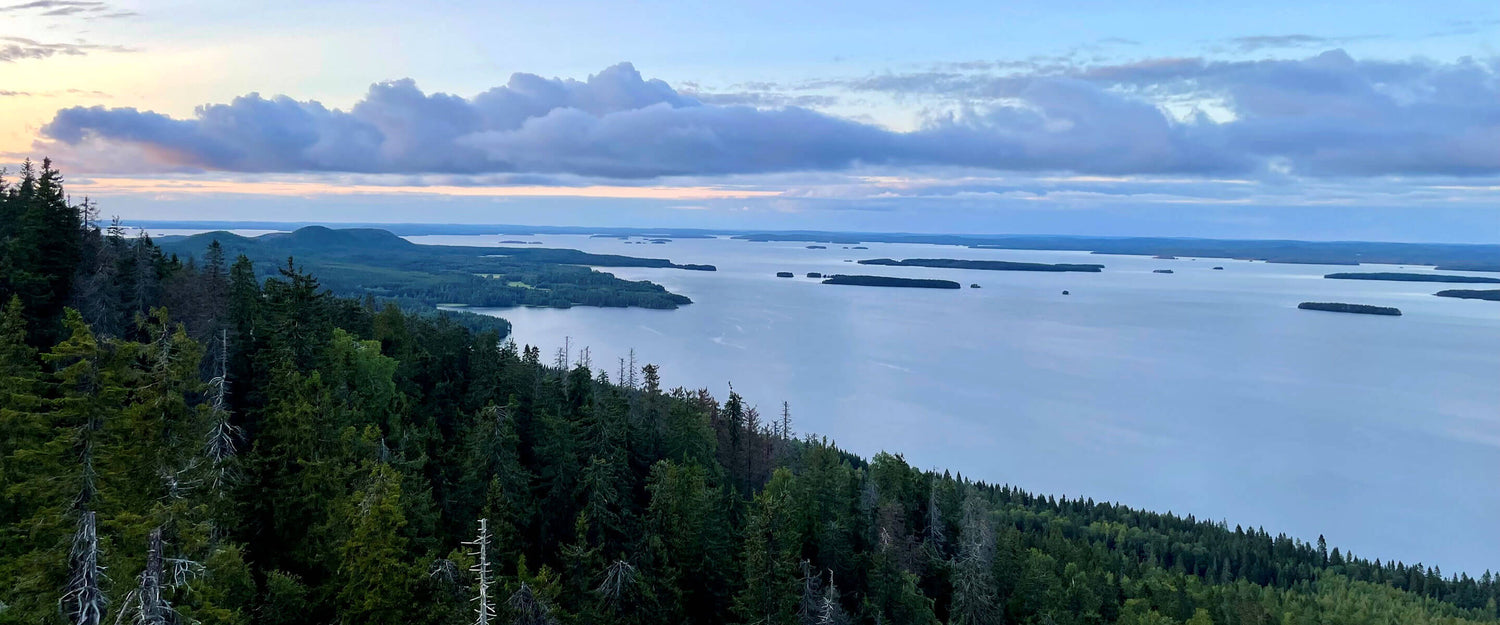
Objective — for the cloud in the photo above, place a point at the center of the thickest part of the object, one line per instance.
(1326, 115)
(90, 9)
(763, 99)
(20, 48)
(1256, 43)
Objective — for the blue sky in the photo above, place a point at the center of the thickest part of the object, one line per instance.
(1270, 119)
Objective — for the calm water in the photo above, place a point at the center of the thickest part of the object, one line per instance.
(1203, 392)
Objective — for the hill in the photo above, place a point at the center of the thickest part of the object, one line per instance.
(368, 261)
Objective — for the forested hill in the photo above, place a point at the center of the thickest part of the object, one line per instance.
(201, 445)
(367, 261)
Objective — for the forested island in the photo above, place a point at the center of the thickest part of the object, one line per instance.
(986, 265)
(1363, 309)
(195, 442)
(1491, 295)
(917, 283)
(362, 261)
(1413, 277)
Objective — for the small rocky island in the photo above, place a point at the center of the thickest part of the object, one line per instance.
(1362, 309)
(784, 274)
(1414, 277)
(1490, 295)
(1218, 269)
(916, 283)
(814, 274)
(817, 247)
(1161, 271)
(974, 285)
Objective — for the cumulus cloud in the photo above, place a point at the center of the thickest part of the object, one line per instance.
(1327, 115)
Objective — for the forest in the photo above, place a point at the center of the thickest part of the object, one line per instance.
(1413, 277)
(190, 440)
(365, 261)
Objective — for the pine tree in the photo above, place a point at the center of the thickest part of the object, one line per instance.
(772, 550)
(375, 581)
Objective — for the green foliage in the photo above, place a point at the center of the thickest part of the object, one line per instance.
(361, 262)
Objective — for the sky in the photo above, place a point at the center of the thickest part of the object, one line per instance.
(1273, 119)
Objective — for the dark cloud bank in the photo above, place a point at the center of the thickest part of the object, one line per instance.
(1328, 115)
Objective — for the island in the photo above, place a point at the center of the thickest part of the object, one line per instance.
(1446, 256)
(916, 283)
(1218, 269)
(1165, 257)
(784, 274)
(1066, 293)
(814, 274)
(1363, 309)
(974, 285)
(1492, 295)
(1413, 277)
(695, 267)
(817, 247)
(1161, 271)
(985, 265)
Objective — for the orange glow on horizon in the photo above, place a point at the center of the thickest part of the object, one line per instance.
(105, 186)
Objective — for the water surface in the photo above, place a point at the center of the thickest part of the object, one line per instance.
(1202, 391)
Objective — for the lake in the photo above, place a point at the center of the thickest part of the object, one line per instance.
(1201, 391)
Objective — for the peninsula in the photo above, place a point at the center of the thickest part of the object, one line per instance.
(1414, 277)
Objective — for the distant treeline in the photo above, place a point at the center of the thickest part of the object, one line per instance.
(1454, 257)
(1413, 277)
(986, 265)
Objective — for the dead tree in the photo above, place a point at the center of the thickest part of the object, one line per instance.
(528, 608)
(223, 436)
(83, 601)
(937, 538)
(484, 610)
(974, 586)
(618, 585)
(144, 604)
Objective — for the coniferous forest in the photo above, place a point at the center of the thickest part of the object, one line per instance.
(184, 442)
